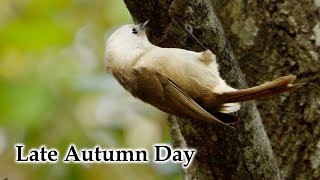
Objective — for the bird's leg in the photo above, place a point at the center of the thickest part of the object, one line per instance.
(180, 9)
(189, 33)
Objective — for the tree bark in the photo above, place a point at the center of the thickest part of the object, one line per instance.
(275, 38)
(246, 153)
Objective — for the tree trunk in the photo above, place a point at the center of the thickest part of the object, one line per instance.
(275, 38)
(244, 153)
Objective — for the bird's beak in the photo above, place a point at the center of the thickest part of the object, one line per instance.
(143, 25)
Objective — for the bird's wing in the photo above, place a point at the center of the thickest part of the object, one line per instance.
(176, 99)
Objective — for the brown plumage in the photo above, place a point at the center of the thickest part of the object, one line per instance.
(183, 83)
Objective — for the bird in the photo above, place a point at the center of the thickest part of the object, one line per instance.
(180, 82)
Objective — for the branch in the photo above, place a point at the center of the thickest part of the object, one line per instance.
(221, 153)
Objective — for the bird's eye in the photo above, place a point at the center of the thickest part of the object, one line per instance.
(134, 31)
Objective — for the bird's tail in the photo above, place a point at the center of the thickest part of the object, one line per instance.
(274, 87)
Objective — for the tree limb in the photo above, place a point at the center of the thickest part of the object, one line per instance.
(221, 152)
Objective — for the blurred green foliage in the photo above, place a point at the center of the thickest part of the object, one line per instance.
(54, 91)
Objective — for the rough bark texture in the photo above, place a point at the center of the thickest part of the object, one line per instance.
(275, 38)
(269, 42)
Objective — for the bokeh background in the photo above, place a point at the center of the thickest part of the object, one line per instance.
(54, 91)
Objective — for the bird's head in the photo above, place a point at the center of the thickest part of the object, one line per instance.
(129, 36)
(127, 42)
